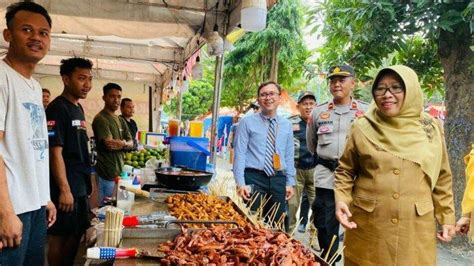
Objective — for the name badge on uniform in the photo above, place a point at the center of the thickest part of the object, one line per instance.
(325, 129)
(296, 127)
(76, 123)
(359, 113)
(276, 162)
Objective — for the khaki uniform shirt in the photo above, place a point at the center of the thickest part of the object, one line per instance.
(393, 204)
(326, 135)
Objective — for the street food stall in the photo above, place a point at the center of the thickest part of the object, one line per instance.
(174, 228)
(157, 43)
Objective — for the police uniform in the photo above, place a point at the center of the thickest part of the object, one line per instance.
(326, 136)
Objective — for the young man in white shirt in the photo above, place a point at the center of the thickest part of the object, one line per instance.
(25, 209)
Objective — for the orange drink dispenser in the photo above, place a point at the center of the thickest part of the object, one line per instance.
(196, 129)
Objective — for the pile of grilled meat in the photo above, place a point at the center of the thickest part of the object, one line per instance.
(200, 206)
(243, 246)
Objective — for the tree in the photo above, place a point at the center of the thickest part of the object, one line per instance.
(196, 101)
(276, 53)
(433, 37)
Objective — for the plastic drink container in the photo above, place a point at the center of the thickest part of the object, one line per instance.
(125, 199)
(173, 127)
(196, 129)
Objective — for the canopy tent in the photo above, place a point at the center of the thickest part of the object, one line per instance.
(137, 40)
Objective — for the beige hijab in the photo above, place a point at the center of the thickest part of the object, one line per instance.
(411, 135)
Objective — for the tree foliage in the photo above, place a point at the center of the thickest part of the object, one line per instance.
(364, 33)
(250, 63)
(432, 37)
(196, 101)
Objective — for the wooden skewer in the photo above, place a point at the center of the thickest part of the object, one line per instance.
(263, 203)
(116, 228)
(272, 216)
(334, 257)
(265, 200)
(105, 232)
(330, 247)
(281, 222)
(313, 236)
(271, 213)
(296, 227)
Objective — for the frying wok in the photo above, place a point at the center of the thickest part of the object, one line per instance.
(182, 178)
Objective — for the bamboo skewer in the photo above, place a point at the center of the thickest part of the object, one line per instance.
(296, 227)
(112, 227)
(271, 214)
(281, 222)
(334, 257)
(313, 237)
(330, 247)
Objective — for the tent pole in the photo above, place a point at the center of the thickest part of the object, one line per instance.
(215, 106)
(180, 105)
(150, 109)
(158, 99)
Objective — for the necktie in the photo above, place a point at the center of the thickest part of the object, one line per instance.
(270, 148)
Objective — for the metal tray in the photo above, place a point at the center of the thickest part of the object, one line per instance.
(149, 239)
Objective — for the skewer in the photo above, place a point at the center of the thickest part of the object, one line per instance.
(296, 227)
(260, 210)
(106, 228)
(253, 199)
(334, 257)
(272, 216)
(265, 200)
(281, 222)
(330, 247)
(313, 236)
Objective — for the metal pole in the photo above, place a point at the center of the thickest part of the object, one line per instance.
(150, 109)
(158, 107)
(180, 105)
(215, 105)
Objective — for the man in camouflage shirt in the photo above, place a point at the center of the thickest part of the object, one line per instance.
(305, 162)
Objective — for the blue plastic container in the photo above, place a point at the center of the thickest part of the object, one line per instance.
(189, 152)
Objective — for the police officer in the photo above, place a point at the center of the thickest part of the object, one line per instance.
(326, 134)
(304, 162)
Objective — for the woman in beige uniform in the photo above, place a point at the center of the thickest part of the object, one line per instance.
(394, 181)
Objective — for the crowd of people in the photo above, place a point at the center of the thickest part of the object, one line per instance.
(379, 170)
(45, 167)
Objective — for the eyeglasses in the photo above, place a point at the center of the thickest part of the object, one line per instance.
(394, 89)
(270, 94)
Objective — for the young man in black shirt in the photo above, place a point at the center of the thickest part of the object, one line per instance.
(70, 164)
(127, 108)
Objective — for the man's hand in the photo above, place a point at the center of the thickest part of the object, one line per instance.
(447, 232)
(244, 192)
(343, 214)
(290, 191)
(11, 229)
(462, 226)
(66, 201)
(50, 213)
